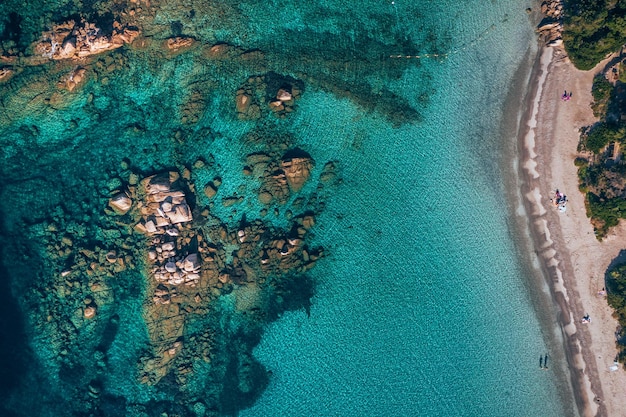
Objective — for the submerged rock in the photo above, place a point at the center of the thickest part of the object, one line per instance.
(297, 171)
(75, 78)
(178, 42)
(210, 190)
(89, 312)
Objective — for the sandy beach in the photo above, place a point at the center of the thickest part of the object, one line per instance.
(573, 260)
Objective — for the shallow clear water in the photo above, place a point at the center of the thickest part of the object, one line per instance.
(422, 308)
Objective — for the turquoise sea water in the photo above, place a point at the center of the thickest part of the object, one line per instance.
(422, 310)
(422, 306)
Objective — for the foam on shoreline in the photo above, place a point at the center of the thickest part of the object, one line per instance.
(523, 161)
(544, 243)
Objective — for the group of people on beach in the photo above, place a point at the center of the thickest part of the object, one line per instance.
(566, 96)
(559, 200)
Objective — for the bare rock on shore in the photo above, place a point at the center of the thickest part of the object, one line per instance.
(221, 50)
(246, 104)
(165, 203)
(552, 8)
(243, 101)
(551, 27)
(89, 312)
(284, 100)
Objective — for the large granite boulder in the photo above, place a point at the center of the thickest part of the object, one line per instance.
(121, 203)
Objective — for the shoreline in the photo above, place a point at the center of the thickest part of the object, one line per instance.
(547, 139)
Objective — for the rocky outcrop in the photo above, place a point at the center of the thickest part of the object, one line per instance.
(210, 190)
(178, 43)
(551, 27)
(247, 108)
(190, 259)
(165, 205)
(172, 265)
(73, 40)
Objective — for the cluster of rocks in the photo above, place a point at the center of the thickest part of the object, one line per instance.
(174, 268)
(164, 211)
(165, 205)
(261, 91)
(279, 176)
(165, 218)
(189, 258)
(72, 40)
(285, 100)
(551, 27)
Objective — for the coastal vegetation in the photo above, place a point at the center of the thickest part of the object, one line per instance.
(592, 29)
(616, 285)
(601, 169)
(601, 92)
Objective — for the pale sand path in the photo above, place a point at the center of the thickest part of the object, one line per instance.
(575, 261)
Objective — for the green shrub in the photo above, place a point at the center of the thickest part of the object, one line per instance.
(593, 29)
(601, 91)
(601, 135)
(616, 297)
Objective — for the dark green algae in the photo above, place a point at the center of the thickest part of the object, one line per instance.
(153, 110)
